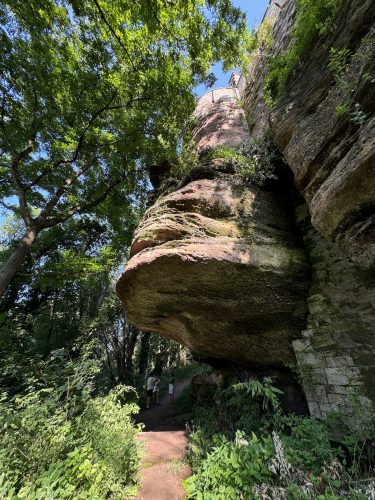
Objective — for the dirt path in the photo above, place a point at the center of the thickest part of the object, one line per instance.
(163, 468)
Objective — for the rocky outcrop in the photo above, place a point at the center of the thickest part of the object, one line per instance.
(217, 266)
(331, 153)
(219, 120)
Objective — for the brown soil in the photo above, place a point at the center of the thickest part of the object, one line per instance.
(163, 467)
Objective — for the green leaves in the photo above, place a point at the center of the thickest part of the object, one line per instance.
(63, 443)
(230, 470)
(314, 18)
(92, 92)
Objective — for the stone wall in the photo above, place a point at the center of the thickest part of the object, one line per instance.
(336, 354)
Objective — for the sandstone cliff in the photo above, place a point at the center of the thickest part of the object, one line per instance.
(217, 266)
(220, 265)
(331, 154)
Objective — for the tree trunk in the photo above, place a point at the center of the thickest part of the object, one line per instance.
(143, 353)
(130, 348)
(17, 258)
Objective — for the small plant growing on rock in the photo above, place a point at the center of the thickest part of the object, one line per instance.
(358, 116)
(262, 157)
(255, 161)
(338, 60)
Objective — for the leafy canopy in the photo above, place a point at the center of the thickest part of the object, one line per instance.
(91, 91)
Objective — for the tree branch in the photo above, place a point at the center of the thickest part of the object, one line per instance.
(79, 146)
(16, 177)
(85, 206)
(61, 190)
(102, 15)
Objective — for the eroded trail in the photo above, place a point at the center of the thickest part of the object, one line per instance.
(163, 467)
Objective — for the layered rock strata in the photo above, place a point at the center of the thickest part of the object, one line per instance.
(220, 121)
(217, 266)
(331, 152)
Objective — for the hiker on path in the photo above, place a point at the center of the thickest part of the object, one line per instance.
(171, 391)
(150, 388)
(156, 390)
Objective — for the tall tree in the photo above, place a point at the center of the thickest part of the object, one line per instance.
(93, 90)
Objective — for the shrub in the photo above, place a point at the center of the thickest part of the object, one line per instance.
(58, 441)
(285, 456)
(313, 19)
(351, 72)
(255, 161)
(307, 443)
(231, 469)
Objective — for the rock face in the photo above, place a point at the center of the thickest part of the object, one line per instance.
(336, 353)
(219, 120)
(332, 154)
(217, 266)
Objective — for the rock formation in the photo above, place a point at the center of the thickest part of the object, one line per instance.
(220, 265)
(331, 154)
(219, 120)
(217, 266)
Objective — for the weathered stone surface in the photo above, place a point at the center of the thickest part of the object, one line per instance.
(217, 266)
(280, 15)
(331, 154)
(219, 120)
(336, 355)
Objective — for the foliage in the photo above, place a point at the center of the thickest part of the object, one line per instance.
(93, 91)
(338, 60)
(230, 470)
(266, 454)
(228, 155)
(298, 433)
(255, 161)
(314, 18)
(263, 158)
(255, 390)
(260, 39)
(353, 70)
(358, 116)
(58, 441)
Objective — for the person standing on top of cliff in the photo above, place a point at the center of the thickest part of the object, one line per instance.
(150, 388)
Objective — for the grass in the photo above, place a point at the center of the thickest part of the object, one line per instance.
(176, 466)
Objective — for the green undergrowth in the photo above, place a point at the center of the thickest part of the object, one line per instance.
(314, 18)
(351, 71)
(254, 161)
(242, 446)
(60, 439)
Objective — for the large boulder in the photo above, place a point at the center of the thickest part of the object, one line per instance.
(217, 266)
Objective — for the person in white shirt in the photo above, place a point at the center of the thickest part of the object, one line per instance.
(171, 391)
(150, 388)
(156, 390)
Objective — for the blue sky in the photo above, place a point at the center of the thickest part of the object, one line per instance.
(254, 10)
